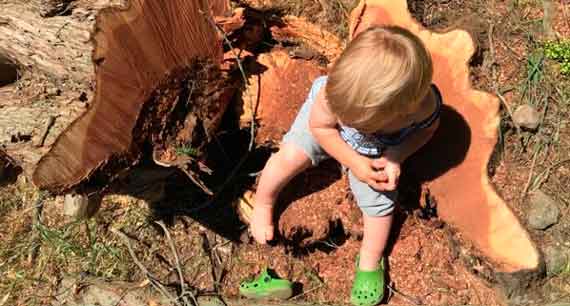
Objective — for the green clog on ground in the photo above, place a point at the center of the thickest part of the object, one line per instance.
(266, 286)
(368, 286)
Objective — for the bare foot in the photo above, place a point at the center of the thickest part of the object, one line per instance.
(262, 223)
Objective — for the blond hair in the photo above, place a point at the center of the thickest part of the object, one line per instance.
(384, 72)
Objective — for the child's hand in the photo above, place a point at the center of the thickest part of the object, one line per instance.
(391, 169)
(369, 171)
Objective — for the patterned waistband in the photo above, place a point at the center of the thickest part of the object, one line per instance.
(363, 146)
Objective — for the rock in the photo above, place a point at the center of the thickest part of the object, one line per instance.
(556, 258)
(543, 211)
(526, 117)
(76, 206)
(53, 91)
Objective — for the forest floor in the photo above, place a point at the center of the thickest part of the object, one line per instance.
(427, 265)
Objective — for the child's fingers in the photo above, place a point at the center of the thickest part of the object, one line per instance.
(390, 184)
(379, 163)
(379, 176)
(386, 186)
(375, 185)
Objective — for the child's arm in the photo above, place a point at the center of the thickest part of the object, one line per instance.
(413, 143)
(323, 125)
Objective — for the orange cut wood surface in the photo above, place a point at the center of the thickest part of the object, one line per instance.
(454, 163)
(135, 49)
(277, 93)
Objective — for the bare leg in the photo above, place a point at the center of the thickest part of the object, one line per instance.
(279, 170)
(376, 232)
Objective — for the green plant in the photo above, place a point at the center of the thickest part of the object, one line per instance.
(534, 67)
(187, 150)
(559, 51)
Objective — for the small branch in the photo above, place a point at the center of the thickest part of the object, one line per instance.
(228, 42)
(544, 175)
(509, 111)
(207, 248)
(244, 77)
(36, 221)
(479, 302)
(196, 181)
(153, 280)
(495, 81)
(307, 292)
(530, 173)
(5, 299)
(178, 266)
(50, 122)
(409, 298)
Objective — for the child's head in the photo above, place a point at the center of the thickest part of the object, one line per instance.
(381, 77)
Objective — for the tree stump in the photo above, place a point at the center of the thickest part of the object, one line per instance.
(453, 166)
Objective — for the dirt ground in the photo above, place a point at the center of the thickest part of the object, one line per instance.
(428, 262)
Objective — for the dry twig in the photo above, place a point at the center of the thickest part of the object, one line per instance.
(36, 221)
(307, 292)
(544, 175)
(495, 79)
(409, 298)
(184, 287)
(530, 173)
(152, 279)
(210, 250)
(50, 122)
(5, 299)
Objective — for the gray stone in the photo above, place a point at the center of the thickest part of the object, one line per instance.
(75, 206)
(53, 91)
(543, 211)
(556, 258)
(526, 117)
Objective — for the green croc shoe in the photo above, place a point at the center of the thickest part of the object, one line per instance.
(266, 286)
(368, 286)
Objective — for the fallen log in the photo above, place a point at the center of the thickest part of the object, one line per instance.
(147, 81)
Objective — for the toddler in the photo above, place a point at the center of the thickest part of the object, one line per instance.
(376, 108)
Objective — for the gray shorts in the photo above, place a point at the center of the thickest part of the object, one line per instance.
(372, 202)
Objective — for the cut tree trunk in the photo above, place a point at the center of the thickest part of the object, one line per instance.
(453, 166)
(98, 93)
